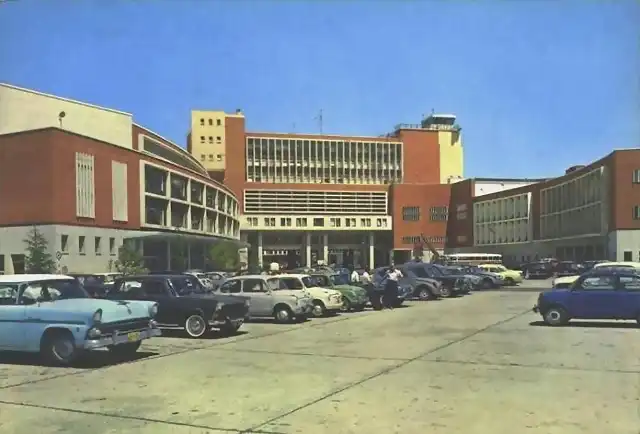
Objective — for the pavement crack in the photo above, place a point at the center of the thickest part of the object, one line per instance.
(524, 365)
(303, 354)
(383, 371)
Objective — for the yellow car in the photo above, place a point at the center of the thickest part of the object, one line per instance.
(509, 277)
(567, 281)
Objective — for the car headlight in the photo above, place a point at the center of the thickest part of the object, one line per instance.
(153, 310)
(97, 316)
(94, 333)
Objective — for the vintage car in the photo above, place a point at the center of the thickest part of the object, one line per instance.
(450, 284)
(603, 293)
(488, 280)
(325, 301)
(270, 297)
(406, 288)
(53, 315)
(354, 298)
(510, 277)
(423, 288)
(566, 281)
(183, 304)
(96, 284)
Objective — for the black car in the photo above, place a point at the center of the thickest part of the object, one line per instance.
(183, 304)
(452, 284)
(97, 285)
(538, 270)
(567, 268)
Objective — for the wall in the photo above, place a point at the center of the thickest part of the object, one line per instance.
(451, 156)
(460, 223)
(623, 193)
(421, 156)
(24, 110)
(212, 151)
(423, 196)
(489, 187)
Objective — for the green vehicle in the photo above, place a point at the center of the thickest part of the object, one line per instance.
(354, 298)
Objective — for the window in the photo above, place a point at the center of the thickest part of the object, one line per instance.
(64, 243)
(202, 122)
(153, 287)
(119, 192)
(98, 246)
(218, 139)
(203, 157)
(439, 213)
(636, 212)
(210, 122)
(365, 223)
(219, 157)
(411, 213)
(270, 221)
(253, 285)
(231, 287)
(8, 294)
(218, 122)
(598, 283)
(636, 176)
(85, 186)
(81, 246)
(210, 139)
(201, 139)
(350, 222)
(318, 222)
(627, 256)
(285, 221)
(334, 222)
(630, 283)
(210, 157)
(112, 246)
(301, 222)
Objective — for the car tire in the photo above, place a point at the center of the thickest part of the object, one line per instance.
(556, 316)
(487, 283)
(359, 307)
(445, 291)
(282, 314)
(319, 310)
(376, 302)
(195, 325)
(423, 293)
(125, 350)
(346, 305)
(58, 348)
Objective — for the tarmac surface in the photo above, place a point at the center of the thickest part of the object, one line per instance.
(477, 364)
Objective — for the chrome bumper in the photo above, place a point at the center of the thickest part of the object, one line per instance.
(125, 338)
(218, 323)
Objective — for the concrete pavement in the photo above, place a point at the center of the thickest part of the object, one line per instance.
(468, 365)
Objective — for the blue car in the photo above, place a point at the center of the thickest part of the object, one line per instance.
(608, 294)
(53, 315)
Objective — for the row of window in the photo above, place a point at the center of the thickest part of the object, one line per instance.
(218, 157)
(583, 221)
(161, 212)
(218, 122)
(314, 202)
(85, 188)
(500, 209)
(97, 246)
(303, 222)
(512, 231)
(218, 140)
(579, 192)
(436, 213)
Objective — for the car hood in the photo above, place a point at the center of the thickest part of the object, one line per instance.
(316, 291)
(112, 310)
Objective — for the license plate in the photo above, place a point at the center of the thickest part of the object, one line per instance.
(133, 337)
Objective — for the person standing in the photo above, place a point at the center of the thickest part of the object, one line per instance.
(365, 279)
(392, 277)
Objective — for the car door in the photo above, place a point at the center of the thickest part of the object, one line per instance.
(261, 297)
(628, 297)
(593, 297)
(156, 290)
(12, 316)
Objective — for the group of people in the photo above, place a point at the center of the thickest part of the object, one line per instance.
(389, 282)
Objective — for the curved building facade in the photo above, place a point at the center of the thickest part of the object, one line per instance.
(90, 178)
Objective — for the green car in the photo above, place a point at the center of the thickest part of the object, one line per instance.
(354, 298)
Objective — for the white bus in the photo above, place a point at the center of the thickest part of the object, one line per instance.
(473, 258)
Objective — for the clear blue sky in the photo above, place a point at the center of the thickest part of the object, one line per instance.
(537, 86)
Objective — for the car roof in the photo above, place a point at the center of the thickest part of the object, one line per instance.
(22, 278)
(296, 275)
(249, 276)
(155, 276)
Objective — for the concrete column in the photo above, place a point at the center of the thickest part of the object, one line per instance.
(391, 256)
(188, 255)
(371, 250)
(325, 249)
(169, 255)
(307, 246)
(260, 264)
(8, 264)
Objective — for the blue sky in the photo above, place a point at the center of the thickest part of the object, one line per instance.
(537, 85)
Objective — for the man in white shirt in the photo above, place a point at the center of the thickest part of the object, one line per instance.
(355, 277)
(392, 277)
(365, 279)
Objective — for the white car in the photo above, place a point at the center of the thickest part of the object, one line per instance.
(325, 301)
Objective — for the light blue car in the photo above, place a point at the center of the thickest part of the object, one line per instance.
(53, 315)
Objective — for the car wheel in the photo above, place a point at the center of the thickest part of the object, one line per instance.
(556, 316)
(487, 283)
(376, 302)
(58, 347)
(195, 326)
(125, 350)
(509, 281)
(359, 308)
(282, 314)
(424, 293)
(346, 305)
(446, 291)
(318, 309)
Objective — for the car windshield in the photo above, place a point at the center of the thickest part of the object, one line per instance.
(442, 270)
(284, 283)
(308, 281)
(186, 285)
(475, 270)
(453, 271)
(52, 290)
(339, 279)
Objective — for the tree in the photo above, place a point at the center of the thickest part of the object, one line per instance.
(130, 260)
(223, 256)
(38, 260)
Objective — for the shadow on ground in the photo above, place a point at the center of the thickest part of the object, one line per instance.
(591, 324)
(91, 360)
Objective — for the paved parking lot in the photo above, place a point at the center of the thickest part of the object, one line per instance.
(468, 365)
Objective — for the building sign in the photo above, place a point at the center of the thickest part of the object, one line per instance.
(417, 240)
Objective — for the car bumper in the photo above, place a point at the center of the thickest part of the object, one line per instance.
(303, 310)
(219, 323)
(127, 338)
(332, 305)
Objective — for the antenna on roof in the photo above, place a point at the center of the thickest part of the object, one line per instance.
(320, 119)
